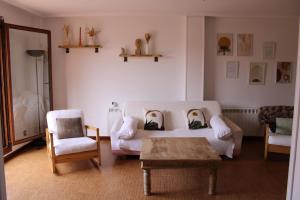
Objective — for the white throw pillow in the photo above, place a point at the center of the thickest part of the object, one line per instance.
(221, 130)
(195, 118)
(128, 129)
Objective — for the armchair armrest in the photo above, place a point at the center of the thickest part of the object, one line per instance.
(237, 134)
(88, 127)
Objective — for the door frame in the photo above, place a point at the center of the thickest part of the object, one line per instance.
(295, 146)
(9, 79)
(3, 91)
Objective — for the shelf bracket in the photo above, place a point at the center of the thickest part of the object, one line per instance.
(155, 59)
(125, 59)
(96, 50)
(67, 50)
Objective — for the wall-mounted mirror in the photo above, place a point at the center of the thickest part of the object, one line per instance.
(29, 72)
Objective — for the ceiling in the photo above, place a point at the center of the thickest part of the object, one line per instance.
(247, 8)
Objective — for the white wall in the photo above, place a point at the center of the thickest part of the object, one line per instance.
(195, 58)
(89, 81)
(14, 15)
(238, 92)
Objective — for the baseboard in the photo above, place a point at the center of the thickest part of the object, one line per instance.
(15, 152)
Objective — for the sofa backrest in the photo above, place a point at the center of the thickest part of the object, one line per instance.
(174, 111)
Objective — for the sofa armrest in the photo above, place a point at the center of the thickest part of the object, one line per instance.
(237, 135)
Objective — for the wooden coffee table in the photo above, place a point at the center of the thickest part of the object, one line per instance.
(164, 153)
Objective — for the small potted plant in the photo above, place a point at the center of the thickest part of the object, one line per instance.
(91, 33)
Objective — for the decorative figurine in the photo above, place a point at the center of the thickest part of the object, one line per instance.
(138, 45)
(123, 52)
(66, 35)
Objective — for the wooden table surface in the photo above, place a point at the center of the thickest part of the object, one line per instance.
(178, 149)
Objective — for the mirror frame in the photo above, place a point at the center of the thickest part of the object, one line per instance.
(8, 75)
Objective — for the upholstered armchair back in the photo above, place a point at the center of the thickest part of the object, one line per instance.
(268, 114)
(53, 115)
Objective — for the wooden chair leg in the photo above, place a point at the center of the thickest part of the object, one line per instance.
(53, 166)
(99, 156)
(266, 152)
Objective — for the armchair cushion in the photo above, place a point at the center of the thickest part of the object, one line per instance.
(74, 145)
(69, 128)
(284, 126)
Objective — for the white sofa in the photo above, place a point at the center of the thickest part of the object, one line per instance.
(175, 126)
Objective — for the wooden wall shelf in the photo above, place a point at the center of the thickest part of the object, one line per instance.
(141, 56)
(68, 47)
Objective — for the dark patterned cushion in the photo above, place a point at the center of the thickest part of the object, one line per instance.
(268, 114)
(154, 120)
(196, 119)
(69, 128)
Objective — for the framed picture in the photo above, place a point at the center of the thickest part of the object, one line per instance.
(257, 73)
(245, 44)
(284, 72)
(232, 70)
(269, 49)
(224, 44)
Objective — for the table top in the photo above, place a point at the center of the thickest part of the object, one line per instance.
(178, 149)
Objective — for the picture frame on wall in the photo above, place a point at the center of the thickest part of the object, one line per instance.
(232, 70)
(269, 50)
(245, 44)
(284, 72)
(224, 44)
(257, 73)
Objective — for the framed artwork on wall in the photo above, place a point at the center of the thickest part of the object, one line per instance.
(257, 73)
(284, 72)
(269, 50)
(245, 44)
(232, 70)
(224, 44)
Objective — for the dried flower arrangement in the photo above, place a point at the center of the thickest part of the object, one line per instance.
(91, 32)
(147, 37)
(66, 34)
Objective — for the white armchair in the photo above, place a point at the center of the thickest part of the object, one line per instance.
(71, 149)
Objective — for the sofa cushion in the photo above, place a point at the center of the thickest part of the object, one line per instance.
(69, 128)
(153, 120)
(74, 145)
(195, 118)
(223, 147)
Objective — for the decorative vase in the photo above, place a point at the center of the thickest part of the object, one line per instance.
(90, 40)
(147, 49)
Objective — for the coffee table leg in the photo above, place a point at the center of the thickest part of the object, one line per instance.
(147, 182)
(212, 181)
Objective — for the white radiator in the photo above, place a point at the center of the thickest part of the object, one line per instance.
(246, 118)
